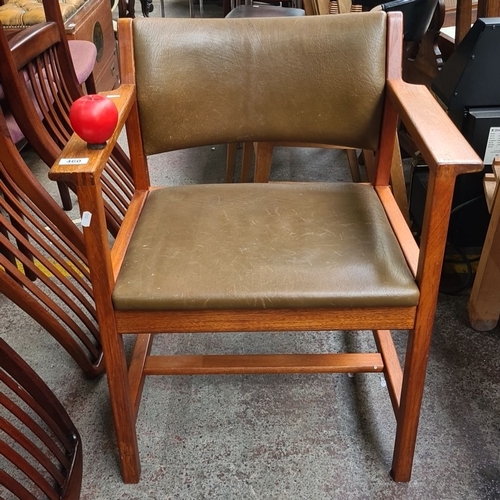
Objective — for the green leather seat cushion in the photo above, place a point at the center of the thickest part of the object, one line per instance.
(257, 246)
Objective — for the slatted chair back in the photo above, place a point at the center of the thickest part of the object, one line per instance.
(41, 447)
(43, 263)
(40, 85)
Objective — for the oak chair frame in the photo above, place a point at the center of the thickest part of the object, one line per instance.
(447, 155)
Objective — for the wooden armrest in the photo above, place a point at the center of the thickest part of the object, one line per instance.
(442, 145)
(76, 149)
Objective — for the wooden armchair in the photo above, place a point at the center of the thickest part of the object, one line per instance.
(273, 256)
(39, 82)
(41, 448)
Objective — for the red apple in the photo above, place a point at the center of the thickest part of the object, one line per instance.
(94, 118)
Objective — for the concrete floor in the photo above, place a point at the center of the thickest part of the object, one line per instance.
(284, 436)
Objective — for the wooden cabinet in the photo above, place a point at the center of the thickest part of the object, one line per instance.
(93, 22)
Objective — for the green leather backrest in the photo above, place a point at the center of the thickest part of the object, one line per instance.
(317, 79)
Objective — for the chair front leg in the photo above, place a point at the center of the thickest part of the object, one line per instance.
(121, 404)
(436, 219)
(411, 399)
(89, 191)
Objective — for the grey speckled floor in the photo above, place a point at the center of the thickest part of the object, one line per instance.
(285, 436)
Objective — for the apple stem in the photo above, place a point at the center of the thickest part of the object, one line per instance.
(101, 145)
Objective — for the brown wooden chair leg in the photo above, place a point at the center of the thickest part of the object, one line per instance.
(64, 193)
(369, 161)
(419, 339)
(232, 148)
(411, 398)
(263, 160)
(246, 162)
(352, 160)
(90, 86)
(124, 414)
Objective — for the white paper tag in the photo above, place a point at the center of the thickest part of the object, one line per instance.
(492, 146)
(73, 161)
(113, 96)
(86, 218)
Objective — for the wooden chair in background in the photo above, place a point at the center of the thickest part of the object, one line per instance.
(268, 257)
(41, 447)
(82, 57)
(39, 82)
(43, 265)
(465, 15)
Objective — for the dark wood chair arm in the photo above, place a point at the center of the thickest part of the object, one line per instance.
(442, 145)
